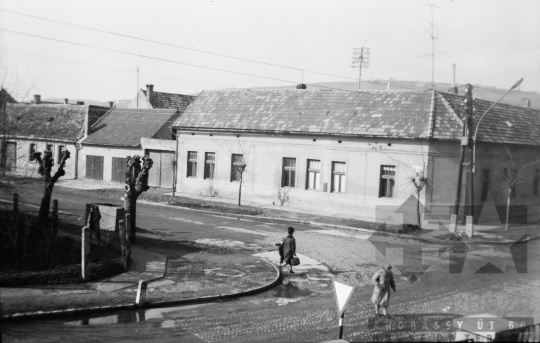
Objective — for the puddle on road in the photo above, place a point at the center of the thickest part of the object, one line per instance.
(137, 316)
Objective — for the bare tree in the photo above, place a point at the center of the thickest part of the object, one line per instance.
(513, 171)
(136, 179)
(418, 176)
(45, 167)
(282, 191)
(240, 151)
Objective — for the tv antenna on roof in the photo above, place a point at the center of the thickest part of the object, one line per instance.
(360, 59)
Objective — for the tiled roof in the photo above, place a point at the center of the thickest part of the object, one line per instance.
(503, 123)
(4, 94)
(126, 126)
(399, 114)
(170, 101)
(49, 121)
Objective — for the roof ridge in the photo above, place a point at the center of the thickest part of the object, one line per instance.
(156, 92)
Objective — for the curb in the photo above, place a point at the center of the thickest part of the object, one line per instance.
(335, 226)
(100, 309)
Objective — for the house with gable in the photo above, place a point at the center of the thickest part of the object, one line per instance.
(162, 151)
(119, 134)
(37, 126)
(349, 152)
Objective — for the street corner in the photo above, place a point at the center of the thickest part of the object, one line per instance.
(310, 277)
(403, 250)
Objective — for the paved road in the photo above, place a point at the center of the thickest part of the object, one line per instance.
(303, 308)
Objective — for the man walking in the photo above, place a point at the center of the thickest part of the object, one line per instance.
(287, 249)
(383, 280)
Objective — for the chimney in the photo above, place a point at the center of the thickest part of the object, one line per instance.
(80, 102)
(388, 86)
(111, 104)
(149, 91)
(66, 101)
(526, 102)
(37, 98)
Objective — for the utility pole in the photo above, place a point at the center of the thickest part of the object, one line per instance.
(3, 149)
(432, 34)
(360, 60)
(467, 141)
(137, 71)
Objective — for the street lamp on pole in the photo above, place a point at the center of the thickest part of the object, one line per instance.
(515, 85)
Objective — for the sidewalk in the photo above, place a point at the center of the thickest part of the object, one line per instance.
(194, 278)
(493, 233)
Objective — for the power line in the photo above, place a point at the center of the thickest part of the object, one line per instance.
(104, 67)
(173, 45)
(178, 62)
(144, 56)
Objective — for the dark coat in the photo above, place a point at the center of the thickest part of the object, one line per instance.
(287, 249)
(383, 280)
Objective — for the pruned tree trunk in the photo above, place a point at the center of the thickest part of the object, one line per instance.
(45, 166)
(240, 190)
(418, 214)
(136, 179)
(508, 199)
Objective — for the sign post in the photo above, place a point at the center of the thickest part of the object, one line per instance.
(342, 292)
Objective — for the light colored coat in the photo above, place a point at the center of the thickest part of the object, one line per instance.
(383, 280)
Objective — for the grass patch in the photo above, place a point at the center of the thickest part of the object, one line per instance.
(34, 255)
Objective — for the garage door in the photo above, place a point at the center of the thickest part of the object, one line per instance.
(94, 167)
(118, 169)
(10, 149)
(161, 174)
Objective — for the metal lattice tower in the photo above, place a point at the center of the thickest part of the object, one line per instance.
(360, 59)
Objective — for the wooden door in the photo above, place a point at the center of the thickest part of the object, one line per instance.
(118, 173)
(167, 169)
(94, 167)
(11, 156)
(155, 171)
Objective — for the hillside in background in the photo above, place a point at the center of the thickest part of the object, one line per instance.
(515, 97)
(119, 103)
(489, 93)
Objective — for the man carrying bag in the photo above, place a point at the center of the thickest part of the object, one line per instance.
(287, 250)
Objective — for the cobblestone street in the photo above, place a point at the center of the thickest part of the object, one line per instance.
(302, 308)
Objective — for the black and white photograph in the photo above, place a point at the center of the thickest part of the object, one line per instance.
(215, 171)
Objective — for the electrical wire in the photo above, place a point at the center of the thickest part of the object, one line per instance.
(151, 57)
(93, 65)
(174, 45)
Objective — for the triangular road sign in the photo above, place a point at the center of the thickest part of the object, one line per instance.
(342, 292)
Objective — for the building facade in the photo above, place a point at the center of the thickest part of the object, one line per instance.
(354, 153)
(38, 127)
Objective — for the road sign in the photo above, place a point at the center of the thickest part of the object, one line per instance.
(342, 292)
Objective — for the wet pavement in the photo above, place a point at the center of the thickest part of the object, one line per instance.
(302, 307)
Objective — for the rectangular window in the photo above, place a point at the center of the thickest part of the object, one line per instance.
(237, 163)
(313, 174)
(536, 182)
(387, 181)
(192, 164)
(61, 149)
(209, 165)
(31, 152)
(50, 148)
(338, 177)
(510, 180)
(485, 183)
(288, 175)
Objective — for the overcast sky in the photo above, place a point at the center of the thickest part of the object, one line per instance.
(491, 42)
